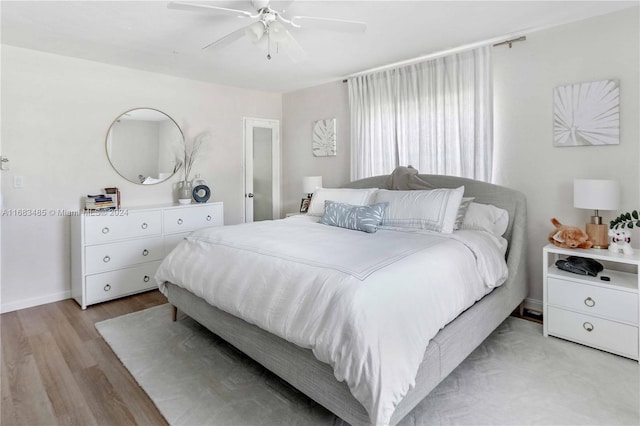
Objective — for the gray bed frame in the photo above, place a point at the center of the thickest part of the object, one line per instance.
(444, 353)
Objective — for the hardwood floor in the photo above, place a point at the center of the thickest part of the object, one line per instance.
(57, 370)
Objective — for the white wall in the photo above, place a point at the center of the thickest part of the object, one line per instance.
(599, 48)
(55, 114)
(300, 110)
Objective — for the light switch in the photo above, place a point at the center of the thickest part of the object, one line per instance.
(18, 181)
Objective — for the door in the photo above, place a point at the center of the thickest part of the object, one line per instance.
(261, 169)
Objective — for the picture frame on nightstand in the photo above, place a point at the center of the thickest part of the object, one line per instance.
(304, 205)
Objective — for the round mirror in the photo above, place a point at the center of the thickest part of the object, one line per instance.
(142, 145)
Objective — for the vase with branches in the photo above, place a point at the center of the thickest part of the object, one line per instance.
(190, 149)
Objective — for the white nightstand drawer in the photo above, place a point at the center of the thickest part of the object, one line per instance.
(610, 336)
(188, 219)
(109, 285)
(593, 300)
(98, 229)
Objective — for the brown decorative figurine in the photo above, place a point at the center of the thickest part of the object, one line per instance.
(569, 236)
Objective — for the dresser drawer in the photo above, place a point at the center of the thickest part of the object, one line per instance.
(189, 219)
(107, 257)
(109, 285)
(171, 241)
(608, 335)
(593, 300)
(98, 229)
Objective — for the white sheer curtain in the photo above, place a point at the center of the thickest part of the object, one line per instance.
(436, 116)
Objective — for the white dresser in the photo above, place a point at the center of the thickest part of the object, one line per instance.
(589, 310)
(117, 253)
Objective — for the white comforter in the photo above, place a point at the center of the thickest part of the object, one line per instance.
(367, 304)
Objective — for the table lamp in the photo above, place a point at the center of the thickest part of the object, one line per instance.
(310, 183)
(596, 194)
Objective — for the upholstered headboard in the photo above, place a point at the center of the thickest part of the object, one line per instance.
(509, 199)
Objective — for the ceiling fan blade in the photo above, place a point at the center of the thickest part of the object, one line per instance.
(293, 49)
(329, 24)
(195, 7)
(228, 39)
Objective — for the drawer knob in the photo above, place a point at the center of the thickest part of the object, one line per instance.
(146, 278)
(107, 287)
(145, 252)
(587, 326)
(105, 230)
(180, 221)
(589, 302)
(106, 259)
(208, 218)
(144, 225)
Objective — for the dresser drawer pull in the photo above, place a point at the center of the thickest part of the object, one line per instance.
(105, 230)
(106, 259)
(107, 287)
(208, 218)
(180, 221)
(145, 252)
(589, 302)
(587, 326)
(146, 278)
(144, 225)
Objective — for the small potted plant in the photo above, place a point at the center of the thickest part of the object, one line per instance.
(620, 234)
(626, 220)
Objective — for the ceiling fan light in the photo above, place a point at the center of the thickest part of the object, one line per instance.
(278, 32)
(255, 31)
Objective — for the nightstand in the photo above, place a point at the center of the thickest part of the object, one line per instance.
(588, 310)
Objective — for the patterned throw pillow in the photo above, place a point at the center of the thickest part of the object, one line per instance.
(358, 218)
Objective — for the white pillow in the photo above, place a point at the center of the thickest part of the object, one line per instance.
(355, 197)
(486, 217)
(434, 209)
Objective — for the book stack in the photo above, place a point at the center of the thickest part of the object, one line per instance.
(114, 193)
(99, 202)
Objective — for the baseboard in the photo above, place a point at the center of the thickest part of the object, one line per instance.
(35, 301)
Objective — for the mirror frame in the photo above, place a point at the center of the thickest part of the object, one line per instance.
(106, 145)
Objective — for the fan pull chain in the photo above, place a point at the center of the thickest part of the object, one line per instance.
(268, 43)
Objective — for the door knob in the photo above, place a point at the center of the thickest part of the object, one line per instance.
(250, 195)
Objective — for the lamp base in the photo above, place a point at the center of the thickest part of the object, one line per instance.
(598, 234)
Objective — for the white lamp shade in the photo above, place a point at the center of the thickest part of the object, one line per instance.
(310, 183)
(596, 194)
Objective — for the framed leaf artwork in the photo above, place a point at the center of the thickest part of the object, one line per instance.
(587, 114)
(324, 138)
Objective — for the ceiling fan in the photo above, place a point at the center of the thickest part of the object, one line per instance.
(270, 26)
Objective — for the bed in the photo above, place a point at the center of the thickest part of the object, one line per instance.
(298, 363)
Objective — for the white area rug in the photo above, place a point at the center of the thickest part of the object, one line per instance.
(515, 377)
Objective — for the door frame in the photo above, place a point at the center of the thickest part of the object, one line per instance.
(248, 124)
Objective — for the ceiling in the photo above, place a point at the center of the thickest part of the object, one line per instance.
(149, 36)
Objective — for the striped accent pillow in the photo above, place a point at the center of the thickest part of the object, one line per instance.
(357, 218)
(433, 210)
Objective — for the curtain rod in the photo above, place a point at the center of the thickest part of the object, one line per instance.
(510, 42)
(498, 41)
